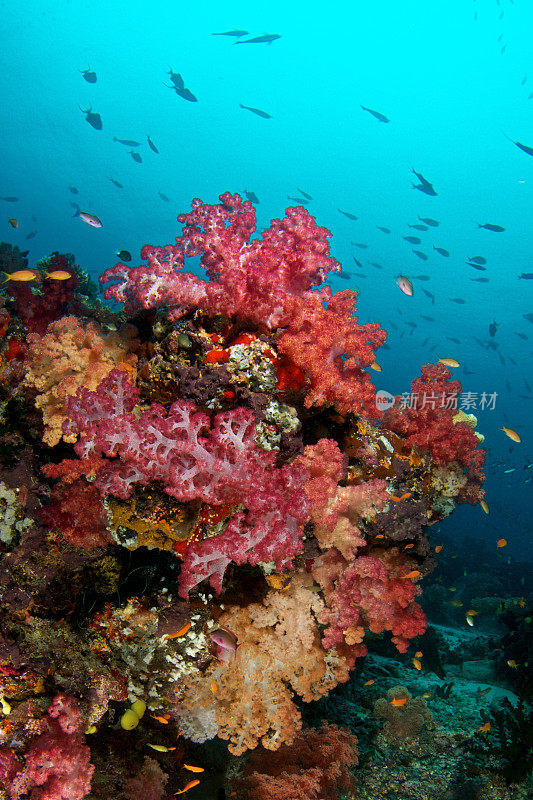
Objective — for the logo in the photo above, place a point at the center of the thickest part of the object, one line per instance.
(384, 400)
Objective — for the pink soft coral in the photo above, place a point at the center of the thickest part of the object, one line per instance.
(58, 761)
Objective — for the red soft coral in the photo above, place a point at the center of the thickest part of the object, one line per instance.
(428, 423)
(77, 513)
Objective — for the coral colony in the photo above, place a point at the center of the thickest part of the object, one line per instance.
(203, 512)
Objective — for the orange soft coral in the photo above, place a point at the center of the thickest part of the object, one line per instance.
(73, 354)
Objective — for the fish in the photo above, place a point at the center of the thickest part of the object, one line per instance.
(429, 319)
(397, 702)
(481, 691)
(13, 222)
(370, 682)
(88, 75)
(238, 34)
(124, 255)
(469, 620)
(162, 720)
(480, 280)
(472, 612)
(348, 214)
(418, 654)
(9, 199)
(418, 227)
(192, 768)
(266, 38)
(438, 548)
(412, 239)
(31, 235)
(382, 229)
(59, 275)
(151, 145)
(524, 147)
(512, 663)
(493, 327)
(251, 196)
(357, 262)
(433, 223)
(375, 366)
(301, 200)
(449, 362)
(117, 184)
(417, 664)
(136, 156)
(23, 275)
(213, 687)
(511, 434)
(307, 196)
(508, 471)
(191, 784)
(181, 632)
(528, 317)
(179, 86)
(403, 497)
(185, 93)
(73, 190)
(360, 245)
(160, 748)
(457, 603)
(90, 219)
(377, 114)
(476, 266)
(258, 111)
(454, 339)
(415, 573)
(489, 226)
(484, 728)
(477, 259)
(501, 543)
(420, 254)
(485, 506)
(405, 285)
(95, 120)
(527, 276)
(442, 251)
(458, 300)
(424, 186)
(430, 295)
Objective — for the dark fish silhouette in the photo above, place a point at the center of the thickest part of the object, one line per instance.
(524, 80)
(383, 230)
(360, 245)
(454, 339)
(345, 276)
(493, 327)
(88, 75)
(524, 147)
(348, 214)
(476, 266)
(418, 227)
(151, 145)
(124, 255)
(73, 190)
(117, 184)
(431, 296)
(477, 259)
(527, 276)
(9, 199)
(95, 120)
(429, 319)
(357, 262)
(179, 87)
(258, 111)
(412, 239)
(522, 336)
(490, 227)
(127, 142)
(300, 200)
(304, 194)
(424, 186)
(433, 223)
(480, 280)
(442, 251)
(237, 34)
(458, 300)
(136, 156)
(377, 114)
(529, 317)
(420, 254)
(266, 38)
(164, 197)
(421, 277)
(31, 234)
(251, 196)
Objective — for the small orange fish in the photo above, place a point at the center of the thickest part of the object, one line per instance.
(418, 654)
(484, 728)
(369, 683)
(417, 664)
(397, 702)
(182, 631)
(501, 543)
(403, 497)
(483, 691)
(512, 663)
(192, 768)
(13, 222)
(485, 506)
(522, 602)
(213, 686)
(162, 720)
(409, 546)
(59, 275)
(380, 536)
(413, 574)
(21, 275)
(472, 612)
(438, 548)
(188, 786)
(375, 366)
(511, 434)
